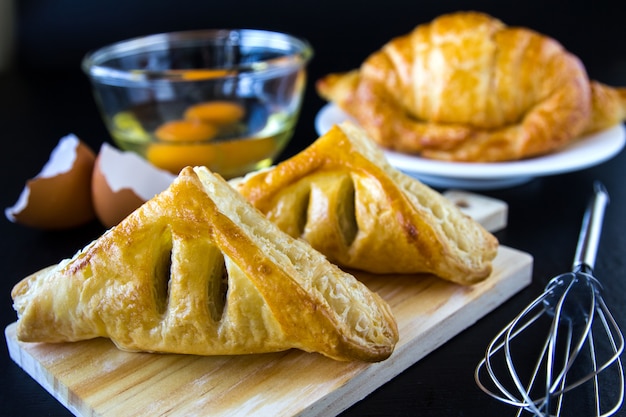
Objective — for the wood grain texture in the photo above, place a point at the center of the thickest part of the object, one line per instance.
(94, 378)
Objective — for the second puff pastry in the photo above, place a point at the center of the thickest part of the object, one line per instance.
(467, 87)
(344, 198)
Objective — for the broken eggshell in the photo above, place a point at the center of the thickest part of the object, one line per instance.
(123, 181)
(59, 197)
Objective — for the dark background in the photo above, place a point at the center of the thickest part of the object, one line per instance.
(45, 96)
(54, 35)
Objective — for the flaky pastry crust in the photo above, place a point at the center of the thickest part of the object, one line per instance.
(344, 198)
(466, 87)
(198, 270)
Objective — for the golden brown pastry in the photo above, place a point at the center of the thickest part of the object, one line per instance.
(198, 270)
(344, 198)
(466, 87)
(608, 107)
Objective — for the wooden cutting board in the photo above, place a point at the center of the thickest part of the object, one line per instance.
(94, 378)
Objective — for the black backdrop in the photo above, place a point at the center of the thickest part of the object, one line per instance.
(46, 96)
(54, 35)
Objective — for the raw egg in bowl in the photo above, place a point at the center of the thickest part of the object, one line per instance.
(225, 99)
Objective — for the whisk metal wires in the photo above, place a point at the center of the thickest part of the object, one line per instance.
(578, 370)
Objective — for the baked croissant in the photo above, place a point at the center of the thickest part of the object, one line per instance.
(344, 198)
(198, 270)
(466, 87)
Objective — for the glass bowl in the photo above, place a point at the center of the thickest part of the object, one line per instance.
(228, 99)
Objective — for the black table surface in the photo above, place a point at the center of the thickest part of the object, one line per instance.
(38, 105)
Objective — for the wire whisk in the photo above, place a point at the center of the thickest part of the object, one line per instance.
(580, 356)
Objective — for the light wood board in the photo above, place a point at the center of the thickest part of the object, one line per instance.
(94, 378)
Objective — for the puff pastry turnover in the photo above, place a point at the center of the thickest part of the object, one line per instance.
(466, 87)
(198, 270)
(344, 198)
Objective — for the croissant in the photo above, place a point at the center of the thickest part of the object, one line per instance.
(342, 196)
(198, 270)
(466, 87)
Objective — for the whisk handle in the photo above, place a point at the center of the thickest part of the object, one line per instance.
(591, 229)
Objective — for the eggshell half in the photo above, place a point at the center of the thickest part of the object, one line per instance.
(59, 197)
(123, 181)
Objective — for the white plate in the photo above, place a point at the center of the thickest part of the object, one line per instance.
(589, 151)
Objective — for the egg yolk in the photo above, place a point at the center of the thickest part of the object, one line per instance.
(185, 131)
(230, 159)
(203, 74)
(175, 157)
(244, 152)
(216, 112)
(202, 122)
